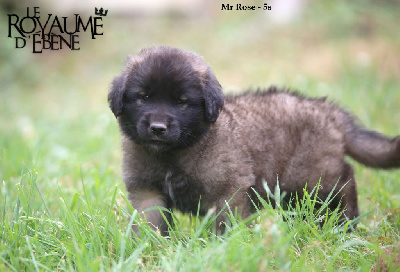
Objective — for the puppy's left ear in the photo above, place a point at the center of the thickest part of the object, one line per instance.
(213, 97)
(115, 97)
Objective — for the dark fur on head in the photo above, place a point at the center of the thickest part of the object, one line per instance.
(158, 93)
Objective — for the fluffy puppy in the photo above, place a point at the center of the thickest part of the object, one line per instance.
(184, 144)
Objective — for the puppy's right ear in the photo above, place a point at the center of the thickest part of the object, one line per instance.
(115, 97)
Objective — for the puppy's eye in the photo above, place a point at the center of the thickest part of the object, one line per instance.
(145, 97)
(181, 101)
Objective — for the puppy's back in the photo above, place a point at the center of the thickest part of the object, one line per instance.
(303, 138)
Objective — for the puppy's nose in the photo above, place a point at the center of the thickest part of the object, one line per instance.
(158, 128)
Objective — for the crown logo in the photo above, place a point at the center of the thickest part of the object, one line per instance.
(100, 12)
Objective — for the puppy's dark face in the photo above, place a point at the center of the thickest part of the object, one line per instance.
(166, 98)
(163, 112)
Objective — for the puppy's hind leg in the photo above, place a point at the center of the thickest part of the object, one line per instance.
(348, 194)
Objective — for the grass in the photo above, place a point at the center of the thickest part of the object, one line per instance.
(62, 202)
(86, 236)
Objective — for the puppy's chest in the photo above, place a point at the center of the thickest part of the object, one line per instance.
(183, 192)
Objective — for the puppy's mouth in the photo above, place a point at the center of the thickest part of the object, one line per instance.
(158, 145)
(158, 142)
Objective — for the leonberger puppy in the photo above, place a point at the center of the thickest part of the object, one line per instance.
(187, 147)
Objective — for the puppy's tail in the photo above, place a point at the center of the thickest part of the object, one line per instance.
(373, 149)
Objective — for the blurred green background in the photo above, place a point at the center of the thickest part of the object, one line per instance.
(54, 117)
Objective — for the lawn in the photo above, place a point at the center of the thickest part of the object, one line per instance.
(62, 201)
